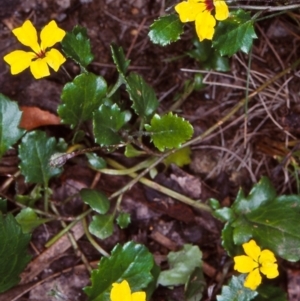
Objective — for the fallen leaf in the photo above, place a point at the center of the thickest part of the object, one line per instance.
(34, 117)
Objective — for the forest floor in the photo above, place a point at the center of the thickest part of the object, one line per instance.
(259, 140)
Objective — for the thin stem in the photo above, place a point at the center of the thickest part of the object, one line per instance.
(240, 104)
(74, 242)
(127, 171)
(157, 187)
(91, 239)
(119, 82)
(268, 8)
(67, 228)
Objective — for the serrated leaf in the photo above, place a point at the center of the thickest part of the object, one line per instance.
(274, 225)
(119, 59)
(142, 95)
(235, 291)
(271, 221)
(182, 264)
(165, 30)
(76, 45)
(28, 220)
(95, 161)
(227, 240)
(102, 226)
(81, 98)
(35, 152)
(123, 220)
(234, 34)
(107, 121)
(13, 252)
(180, 158)
(268, 292)
(169, 131)
(259, 194)
(132, 262)
(97, 200)
(10, 117)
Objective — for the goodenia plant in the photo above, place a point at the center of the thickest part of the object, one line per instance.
(259, 228)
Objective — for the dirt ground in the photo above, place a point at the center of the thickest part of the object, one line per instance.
(236, 155)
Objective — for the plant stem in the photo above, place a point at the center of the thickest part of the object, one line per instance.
(157, 187)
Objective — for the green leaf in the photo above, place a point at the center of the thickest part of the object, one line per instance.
(209, 58)
(153, 283)
(13, 252)
(30, 199)
(28, 220)
(81, 98)
(76, 45)
(3, 205)
(227, 240)
(10, 117)
(165, 30)
(35, 151)
(119, 59)
(259, 194)
(107, 121)
(274, 225)
(180, 158)
(268, 292)
(224, 214)
(97, 200)
(142, 95)
(123, 220)
(131, 151)
(235, 291)
(234, 34)
(214, 203)
(132, 262)
(102, 226)
(182, 264)
(271, 221)
(169, 131)
(95, 161)
(195, 285)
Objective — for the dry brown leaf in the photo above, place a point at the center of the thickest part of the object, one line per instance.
(34, 117)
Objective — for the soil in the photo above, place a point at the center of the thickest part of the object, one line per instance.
(256, 141)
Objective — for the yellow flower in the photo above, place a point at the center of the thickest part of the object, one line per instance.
(42, 56)
(200, 12)
(121, 292)
(255, 262)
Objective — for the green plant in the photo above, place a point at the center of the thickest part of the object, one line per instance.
(139, 130)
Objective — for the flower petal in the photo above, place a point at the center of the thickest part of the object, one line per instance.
(188, 10)
(51, 34)
(270, 270)
(253, 280)
(27, 35)
(120, 292)
(205, 24)
(268, 266)
(138, 296)
(222, 11)
(266, 256)
(252, 249)
(19, 60)
(39, 68)
(244, 264)
(54, 59)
